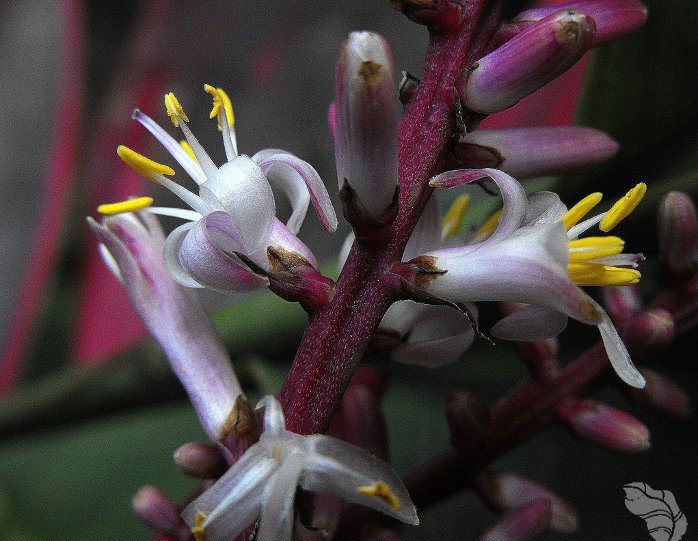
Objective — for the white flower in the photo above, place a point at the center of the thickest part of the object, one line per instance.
(232, 220)
(530, 254)
(262, 483)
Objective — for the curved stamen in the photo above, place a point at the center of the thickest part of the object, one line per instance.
(130, 205)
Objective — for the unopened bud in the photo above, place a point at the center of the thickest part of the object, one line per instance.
(613, 18)
(663, 394)
(366, 128)
(534, 151)
(155, 509)
(605, 425)
(678, 234)
(527, 62)
(508, 491)
(622, 302)
(436, 14)
(200, 460)
(468, 420)
(650, 331)
(523, 524)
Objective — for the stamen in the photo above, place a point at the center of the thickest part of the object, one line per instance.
(590, 248)
(454, 217)
(198, 528)
(597, 274)
(382, 491)
(130, 205)
(489, 226)
(221, 101)
(623, 207)
(174, 109)
(187, 148)
(581, 209)
(142, 165)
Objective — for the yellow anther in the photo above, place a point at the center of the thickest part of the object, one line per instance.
(590, 248)
(489, 226)
(623, 207)
(130, 205)
(382, 491)
(596, 274)
(221, 101)
(142, 165)
(187, 148)
(581, 209)
(174, 109)
(198, 529)
(454, 217)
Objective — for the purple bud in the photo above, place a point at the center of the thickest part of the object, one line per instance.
(604, 425)
(366, 123)
(536, 151)
(438, 15)
(663, 394)
(677, 226)
(614, 18)
(156, 510)
(523, 524)
(468, 419)
(508, 491)
(527, 62)
(200, 460)
(649, 332)
(622, 302)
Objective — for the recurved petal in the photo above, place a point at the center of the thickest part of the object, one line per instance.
(173, 245)
(426, 235)
(530, 323)
(300, 181)
(211, 267)
(235, 500)
(347, 471)
(617, 352)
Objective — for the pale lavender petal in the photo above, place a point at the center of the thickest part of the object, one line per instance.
(530, 323)
(235, 500)
(618, 353)
(525, 63)
(277, 518)
(241, 189)
(426, 235)
(513, 196)
(274, 421)
(173, 245)
(535, 151)
(175, 317)
(366, 121)
(544, 208)
(282, 237)
(613, 18)
(337, 467)
(344, 251)
(211, 267)
(295, 177)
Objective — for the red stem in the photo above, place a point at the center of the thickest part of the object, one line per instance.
(337, 334)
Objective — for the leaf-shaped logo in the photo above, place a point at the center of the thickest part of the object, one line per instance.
(658, 508)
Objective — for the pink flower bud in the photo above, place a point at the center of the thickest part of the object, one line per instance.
(528, 61)
(650, 331)
(522, 524)
(677, 226)
(156, 510)
(535, 151)
(663, 394)
(614, 18)
(200, 460)
(468, 419)
(622, 302)
(508, 492)
(366, 123)
(605, 425)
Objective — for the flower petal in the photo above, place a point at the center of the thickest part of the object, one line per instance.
(274, 421)
(426, 235)
(339, 468)
(211, 267)
(617, 353)
(530, 323)
(173, 245)
(282, 237)
(291, 173)
(277, 518)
